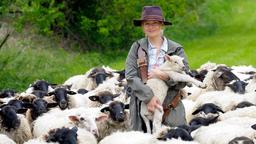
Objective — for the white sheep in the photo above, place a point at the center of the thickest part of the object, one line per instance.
(240, 112)
(4, 139)
(224, 131)
(80, 117)
(174, 67)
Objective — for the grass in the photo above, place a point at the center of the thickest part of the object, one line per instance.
(232, 44)
(28, 57)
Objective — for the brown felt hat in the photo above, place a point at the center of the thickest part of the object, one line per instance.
(151, 13)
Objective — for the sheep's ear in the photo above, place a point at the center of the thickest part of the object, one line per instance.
(101, 118)
(126, 106)
(167, 58)
(115, 95)
(94, 98)
(22, 111)
(71, 92)
(105, 109)
(73, 118)
(75, 129)
(51, 105)
(51, 93)
(253, 126)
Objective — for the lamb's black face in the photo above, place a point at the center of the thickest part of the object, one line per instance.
(63, 136)
(117, 112)
(41, 85)
(7, 93)
(178, 133)
(39, 107)
(10, 119)
(100, 77)
(61, 97)
(16, 103)
(238, 87)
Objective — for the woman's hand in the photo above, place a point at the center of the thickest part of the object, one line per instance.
(153, 104)
(156, 73)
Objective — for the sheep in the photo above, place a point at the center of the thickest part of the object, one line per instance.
(242, 139)
(116, 120)
(65, 135)
(223, 132)
(90, 80)
(4, 139)
(174, 67)
(137, 137)
(240, 112)
(80, 117)
(41, 85)
(60, 95)
(14, 125)
(7, 93)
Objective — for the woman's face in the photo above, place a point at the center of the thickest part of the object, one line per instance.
(152, 28)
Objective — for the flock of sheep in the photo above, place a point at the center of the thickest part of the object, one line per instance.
(93, 108)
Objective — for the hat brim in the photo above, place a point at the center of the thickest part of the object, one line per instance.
(139, 22)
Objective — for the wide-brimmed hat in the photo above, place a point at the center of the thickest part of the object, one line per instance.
(151, 13)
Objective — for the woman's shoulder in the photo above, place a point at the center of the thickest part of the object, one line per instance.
(173, 44)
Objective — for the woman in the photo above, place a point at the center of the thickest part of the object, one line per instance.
(142, 62)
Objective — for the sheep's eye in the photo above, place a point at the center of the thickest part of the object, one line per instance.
(81, 118)
(176, 62)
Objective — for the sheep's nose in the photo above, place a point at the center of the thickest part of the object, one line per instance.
(95, 132)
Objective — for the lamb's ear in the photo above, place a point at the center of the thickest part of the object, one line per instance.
(167, 57)
(126, 106)
(71, 92)
(73, 118)
(105, 109)
(115, 95)
(94, 98)
(51, 105)
(22, 111)
(101, 117)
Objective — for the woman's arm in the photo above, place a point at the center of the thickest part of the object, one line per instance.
(139, 89)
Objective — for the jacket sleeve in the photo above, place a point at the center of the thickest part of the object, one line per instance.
(178, 85)
(139, 89)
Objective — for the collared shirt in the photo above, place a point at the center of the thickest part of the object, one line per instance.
(154, 60)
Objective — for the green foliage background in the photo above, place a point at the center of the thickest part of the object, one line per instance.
(54, 39)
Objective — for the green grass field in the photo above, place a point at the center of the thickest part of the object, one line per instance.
(25, 58)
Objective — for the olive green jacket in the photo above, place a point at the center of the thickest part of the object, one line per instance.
(141, 92)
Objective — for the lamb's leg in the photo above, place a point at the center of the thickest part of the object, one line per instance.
(145, 116)
(185, 78)
(157, 123)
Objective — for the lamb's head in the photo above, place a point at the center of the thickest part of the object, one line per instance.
(175, 63)
(62, 135)
(85, 121)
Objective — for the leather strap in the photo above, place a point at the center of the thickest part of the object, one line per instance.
(173, 104)
(142, 63)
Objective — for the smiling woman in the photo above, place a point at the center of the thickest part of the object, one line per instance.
(142, 63)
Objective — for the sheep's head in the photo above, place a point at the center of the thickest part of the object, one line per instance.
(9, 117)
(85, 121)
(116, 110)
(61, 96)
(63, 135)
(175, 62)
(99, 75)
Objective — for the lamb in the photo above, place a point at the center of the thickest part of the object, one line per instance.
(14, 125)
(116, 120)
(6, 140)
(65, 135)
(80, 117)
(174, 67)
